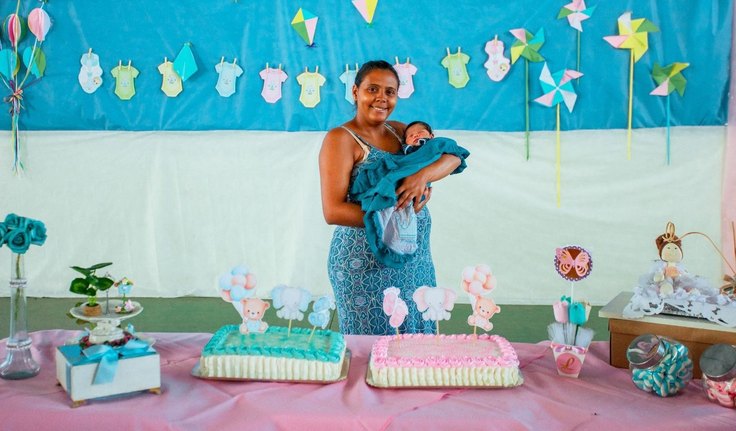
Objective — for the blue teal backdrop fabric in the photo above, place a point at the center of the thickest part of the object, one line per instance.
(257, 32)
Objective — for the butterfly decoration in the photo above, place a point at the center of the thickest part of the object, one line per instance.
(394, 307)
(573, 263)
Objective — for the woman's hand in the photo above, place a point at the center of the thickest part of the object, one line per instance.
(413, 190)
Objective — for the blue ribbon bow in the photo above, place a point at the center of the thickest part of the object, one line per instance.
(108, 357)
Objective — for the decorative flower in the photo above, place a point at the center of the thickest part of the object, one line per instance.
(37, 231)
(20, 232)
(128, 306)
(18, 240)
(124, 286)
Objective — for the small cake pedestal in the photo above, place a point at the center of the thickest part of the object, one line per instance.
(107, 325)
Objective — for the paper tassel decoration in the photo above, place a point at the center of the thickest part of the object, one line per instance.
(367, 9)
(526, 45)
(634, 36)
(669, 79)
(576, 12)
(185, 64)
(305, 24)
(558, 88)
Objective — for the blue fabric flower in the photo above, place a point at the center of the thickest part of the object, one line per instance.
(18, 240)
(20, 232)
(37, 231)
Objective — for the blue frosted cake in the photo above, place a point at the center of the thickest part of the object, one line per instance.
(272, 355)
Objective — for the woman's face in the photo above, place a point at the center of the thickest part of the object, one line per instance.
(376, 96)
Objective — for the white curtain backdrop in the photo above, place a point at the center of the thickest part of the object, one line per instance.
(173, 211)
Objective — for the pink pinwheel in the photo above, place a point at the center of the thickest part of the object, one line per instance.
(576, 13)
(394, 307)
(558, 88)
(39, 23)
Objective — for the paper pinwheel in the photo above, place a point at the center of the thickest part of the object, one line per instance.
(15, 27)
(185, 64)
(558, 88)
(526, 45)
(669, 79)
(367, 9)
(394, 307)
(576, 12)
(634, 36)
(305, 24)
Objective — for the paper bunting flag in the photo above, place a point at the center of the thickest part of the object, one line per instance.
(558, 88)
(367, 9)
(305, 24)
(394, 307)
(39, 23)
(497, 65)
(634, 36)
(526, 45)
(35, 60)
(576, 12)
(185, 64)
(669, 79)
(90, 73)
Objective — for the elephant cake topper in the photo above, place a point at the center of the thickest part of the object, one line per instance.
(290, 303)
(435, 303)
(478, 281)
(321, 314)
(394, 307)
(237, 287)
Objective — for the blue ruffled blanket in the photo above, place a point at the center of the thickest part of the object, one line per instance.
(375, 188)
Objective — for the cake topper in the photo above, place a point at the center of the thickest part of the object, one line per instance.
(237, 287)
(478, 281)
(483, 310)
(573, 263)
(321, 313)
(394, 307)
(291, 302)
(435, 303)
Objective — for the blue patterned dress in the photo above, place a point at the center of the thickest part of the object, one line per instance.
(358, 279)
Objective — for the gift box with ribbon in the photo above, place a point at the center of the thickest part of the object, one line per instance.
(101, 370)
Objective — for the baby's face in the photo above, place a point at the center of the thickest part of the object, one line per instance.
(416, 132)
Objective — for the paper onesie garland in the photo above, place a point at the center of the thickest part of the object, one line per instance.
(228, 74)
(457, 72)
(90, 74)
(310, 82)
(170, 82)
(406, 72)
(272, 81)
(124, 80)
(348, 78)
(497, 65)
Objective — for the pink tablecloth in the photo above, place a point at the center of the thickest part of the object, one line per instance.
(602, 398)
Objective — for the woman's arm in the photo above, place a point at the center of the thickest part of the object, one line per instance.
(336, 160)
(414, 186)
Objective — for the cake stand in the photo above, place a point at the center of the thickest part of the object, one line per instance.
(107, 325)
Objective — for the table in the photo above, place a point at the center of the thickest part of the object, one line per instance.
(602, 398)
(696, 334)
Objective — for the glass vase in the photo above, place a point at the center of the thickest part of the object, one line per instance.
(19, 363)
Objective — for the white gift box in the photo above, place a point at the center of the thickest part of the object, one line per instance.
(136, 371)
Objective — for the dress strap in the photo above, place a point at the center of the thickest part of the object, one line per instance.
(361, 143)
(393, 132)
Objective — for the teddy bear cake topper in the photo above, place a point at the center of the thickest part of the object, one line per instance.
(478, 282)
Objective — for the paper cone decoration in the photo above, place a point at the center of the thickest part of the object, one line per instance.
(185, 64)
(39, 23)
(366, 8)
(305, 24)
(576, 13)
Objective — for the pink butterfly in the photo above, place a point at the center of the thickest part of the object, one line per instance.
(394, 306)
(580, 264)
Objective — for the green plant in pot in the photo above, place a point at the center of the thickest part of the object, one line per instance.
(90, 285)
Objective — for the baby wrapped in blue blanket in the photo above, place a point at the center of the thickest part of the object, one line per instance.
(392, 233)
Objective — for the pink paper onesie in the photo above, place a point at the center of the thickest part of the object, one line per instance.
(457, 73)
(406, 72)
(310, 82)
(272, 80)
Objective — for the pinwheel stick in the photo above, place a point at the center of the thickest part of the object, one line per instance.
(557, 158)
(288, 331)
(578, 63)
(631, 104)
(668, 130)
(314, 328)
(526, 105)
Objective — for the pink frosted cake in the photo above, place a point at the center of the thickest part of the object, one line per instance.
(413, 360)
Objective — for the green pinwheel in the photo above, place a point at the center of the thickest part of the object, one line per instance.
(527, 45)
(669, 79)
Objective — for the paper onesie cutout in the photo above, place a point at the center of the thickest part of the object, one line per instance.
(171, 82)
(457, 72)
(406, 72)
(310, 82)
(124, 81)
(497, 65)
(348, 78)
(90, 74)
(229, 73)
(272, 80)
